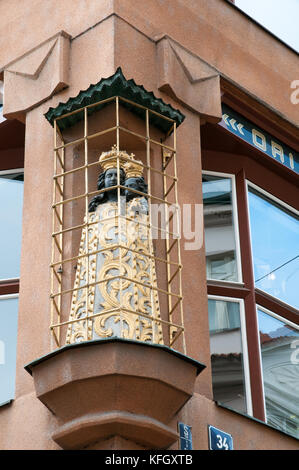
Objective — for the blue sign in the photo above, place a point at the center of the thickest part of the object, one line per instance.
(259, 138)
(219, 440)
(185, 436)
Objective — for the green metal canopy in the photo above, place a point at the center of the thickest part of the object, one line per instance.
(116, 85)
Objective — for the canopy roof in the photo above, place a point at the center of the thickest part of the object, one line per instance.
(116, 85)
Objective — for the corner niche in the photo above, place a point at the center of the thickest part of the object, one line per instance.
(119, 365)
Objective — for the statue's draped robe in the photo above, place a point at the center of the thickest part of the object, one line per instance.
(111, 272)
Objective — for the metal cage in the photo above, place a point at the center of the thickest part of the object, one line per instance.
(76, 163)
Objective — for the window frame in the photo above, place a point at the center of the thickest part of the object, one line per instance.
(235, 223)
(14, 281)
(10, 287)
(6, 297)
(244, 171)
(277, 303)
(282, 319)
(247, 382)
(13, 134)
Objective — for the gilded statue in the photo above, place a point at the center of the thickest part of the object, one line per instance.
(115, 291)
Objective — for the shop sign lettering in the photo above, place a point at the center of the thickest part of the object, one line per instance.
(259, 138)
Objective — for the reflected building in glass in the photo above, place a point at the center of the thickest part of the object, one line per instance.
(221, 259)
(227, 354)
(280, 360)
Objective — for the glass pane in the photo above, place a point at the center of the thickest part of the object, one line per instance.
(227, 354)
(8, 341)
(275, 248)
(280, 361)
(11, 203)
(219, 228)
(1, 113)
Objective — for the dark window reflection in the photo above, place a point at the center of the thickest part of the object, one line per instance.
(280, 361)
(275, 248)
(11, 203)
(219, 228)
(227, 354)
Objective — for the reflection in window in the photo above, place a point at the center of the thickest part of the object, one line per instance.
(11, 202)
(219, 228)
(8, 340)
(280, 360)
(227, 354)
(275, 248)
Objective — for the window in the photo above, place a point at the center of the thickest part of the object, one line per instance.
(279, 340)
(11, 202)
(252, 264)
(222, 259)
(11, 197)
(8, 341)
(275, 246)
(229, 353)
(12, 142)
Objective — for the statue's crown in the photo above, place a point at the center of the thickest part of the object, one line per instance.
(109, 159)
(133, 168)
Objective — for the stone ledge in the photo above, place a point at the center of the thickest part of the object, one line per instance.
(114, 387)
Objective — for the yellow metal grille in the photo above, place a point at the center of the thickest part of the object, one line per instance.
(76, 166)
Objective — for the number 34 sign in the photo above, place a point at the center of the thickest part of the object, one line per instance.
(219, 440)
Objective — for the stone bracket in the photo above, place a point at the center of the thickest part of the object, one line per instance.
(178, 68)
(36, 76)
(140, 429)
(114, 387)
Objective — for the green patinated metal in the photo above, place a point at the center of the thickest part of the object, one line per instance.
(116, 85)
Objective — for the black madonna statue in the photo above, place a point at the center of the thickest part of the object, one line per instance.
(119, 252)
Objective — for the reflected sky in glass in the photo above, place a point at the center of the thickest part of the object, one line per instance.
(275, 248)
(11, 204)
(274, 327)
(8, 340)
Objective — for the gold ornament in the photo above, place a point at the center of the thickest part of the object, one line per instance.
(109, 159)
(133, 168)
(114, 304)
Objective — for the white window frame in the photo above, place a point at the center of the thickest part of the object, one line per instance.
(236, 225)
(270, 196)
(244, 347)
(5, 297)
(10, 172)
(277, 317)
(281, 203)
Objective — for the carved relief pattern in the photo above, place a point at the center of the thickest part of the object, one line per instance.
(122, 278)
